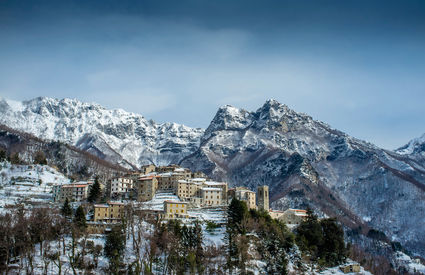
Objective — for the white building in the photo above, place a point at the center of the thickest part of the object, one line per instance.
(121, 185)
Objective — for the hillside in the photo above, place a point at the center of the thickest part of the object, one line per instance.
(69, 160)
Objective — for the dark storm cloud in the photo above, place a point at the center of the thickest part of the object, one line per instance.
(358, 65)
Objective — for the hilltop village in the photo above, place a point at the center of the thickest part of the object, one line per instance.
(165, 192)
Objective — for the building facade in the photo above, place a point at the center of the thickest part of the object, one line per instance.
(110, 212)
(73, 192)
(121, 185)
(263, 197)
(175, 209)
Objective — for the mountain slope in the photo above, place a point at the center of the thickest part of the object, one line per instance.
(114, 135)
(69, 160)
(307, 163)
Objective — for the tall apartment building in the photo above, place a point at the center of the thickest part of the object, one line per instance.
(121, 185)
(263, 197)
(73, 192)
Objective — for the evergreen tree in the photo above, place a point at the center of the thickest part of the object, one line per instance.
(237, 216)
(40, 158)
(14, 159)
(3, 155)
(333, 250)
(114, 248)
(323, 240)
(66, 209)
(80, 218)
(95, 192)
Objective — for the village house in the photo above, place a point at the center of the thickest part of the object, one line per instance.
(211, 196)
(201, 192)
(72, 191)
(243, 194)
(175, 209)
(146, 169)
(350, 268)
(146, 187)
(293, 216)
(121, 185)
(110, 212)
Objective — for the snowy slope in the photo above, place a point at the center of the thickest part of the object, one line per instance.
(28, 184)
(114, 135)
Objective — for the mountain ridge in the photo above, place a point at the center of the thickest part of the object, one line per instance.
(306, 162)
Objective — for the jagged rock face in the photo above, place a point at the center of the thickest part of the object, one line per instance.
(114, 135)
(307, 163)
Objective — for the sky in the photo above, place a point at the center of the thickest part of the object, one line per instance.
(356, 65)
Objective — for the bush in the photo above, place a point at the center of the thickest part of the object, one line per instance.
(211, 226)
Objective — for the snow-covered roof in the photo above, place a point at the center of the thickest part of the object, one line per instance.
(199, 179)
(215, 183)
(101, 205)
(177, 202)
(211, 189)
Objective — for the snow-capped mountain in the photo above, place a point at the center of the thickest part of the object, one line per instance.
(307, 163)
(114, 135)
(414, 147)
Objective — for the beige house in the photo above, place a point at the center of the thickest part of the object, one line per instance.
(276, 214)
(175, 209)
(146, 169)
(111, 212)
(293, 216)
(73, 192)
(350, 268)
(243, 194)
(211, 196)
(201, 192)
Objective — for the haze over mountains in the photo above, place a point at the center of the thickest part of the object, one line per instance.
(305, 162)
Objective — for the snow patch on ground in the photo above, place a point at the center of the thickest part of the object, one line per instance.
(27, 184)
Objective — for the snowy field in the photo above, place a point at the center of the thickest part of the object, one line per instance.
(27, 184)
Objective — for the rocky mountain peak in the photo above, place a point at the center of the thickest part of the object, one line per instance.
(228, 118)
(415, 147)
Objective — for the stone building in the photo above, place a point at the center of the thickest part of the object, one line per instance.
(243, 194)
(146, 187)
(263, 197)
